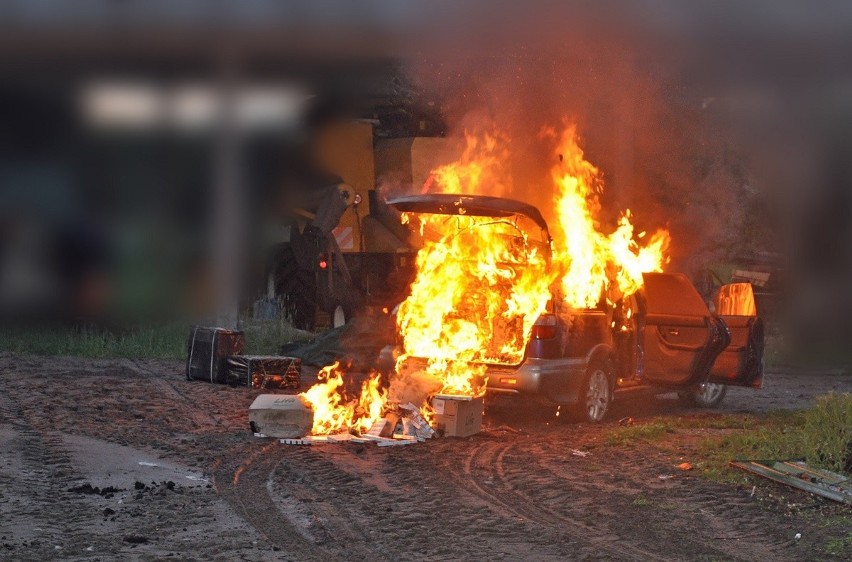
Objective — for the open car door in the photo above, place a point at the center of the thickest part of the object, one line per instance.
(680, 337)
(741, 364)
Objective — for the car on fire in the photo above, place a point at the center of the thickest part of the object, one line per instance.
(663, 338)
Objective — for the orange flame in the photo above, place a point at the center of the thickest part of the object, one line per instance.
(479, 170)
(595, 263)
(482, 282)
(335, 412)
(480, 285)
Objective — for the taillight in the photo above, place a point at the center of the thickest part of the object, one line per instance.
(545, 327)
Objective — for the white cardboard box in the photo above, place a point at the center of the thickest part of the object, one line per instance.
(285, 416)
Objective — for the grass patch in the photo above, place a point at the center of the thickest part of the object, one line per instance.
(148, 342)
(265, 337)
(840, 546)
(661, 428)
(641, 501)
(161, 342)
(822, 435)
(629, 435)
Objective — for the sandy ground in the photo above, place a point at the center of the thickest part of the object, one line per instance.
(105, 460)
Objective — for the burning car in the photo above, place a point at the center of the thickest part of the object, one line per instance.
(501, 302)
(502, 323)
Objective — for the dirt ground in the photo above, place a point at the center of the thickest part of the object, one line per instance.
(105, 460)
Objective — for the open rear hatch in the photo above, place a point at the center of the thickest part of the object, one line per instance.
(506, 331)
(470, 205)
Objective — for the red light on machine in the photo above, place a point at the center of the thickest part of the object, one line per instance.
(323, 261)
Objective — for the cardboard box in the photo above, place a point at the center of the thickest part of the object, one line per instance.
(281, 415)
(457, 416)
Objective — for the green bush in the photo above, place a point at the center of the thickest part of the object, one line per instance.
(826, 434)
(822, 435)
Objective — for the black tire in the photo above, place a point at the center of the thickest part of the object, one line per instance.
(296, 288)
(707, 395)
(596, 392)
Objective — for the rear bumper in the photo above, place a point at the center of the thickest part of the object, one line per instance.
(557, 379)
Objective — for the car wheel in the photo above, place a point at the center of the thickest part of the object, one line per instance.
(706, 395)
(596, 393)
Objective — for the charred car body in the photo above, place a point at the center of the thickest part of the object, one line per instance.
(664, 337)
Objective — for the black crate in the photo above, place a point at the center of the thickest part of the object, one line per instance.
(206, 352)
(267, 372)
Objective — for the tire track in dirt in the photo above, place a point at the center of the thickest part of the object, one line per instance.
(723, 517)
(244, 487)
(489, 456)
(255, 490)
(732, 529)
(198, 416)
(44, 507)
(310, 478)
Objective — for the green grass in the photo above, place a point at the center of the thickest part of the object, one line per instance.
(151, 342)
(840, 546)
(659, 428)
(625, 436)
(161, 342)
(267, 336)
(822, 435)
(641, 501)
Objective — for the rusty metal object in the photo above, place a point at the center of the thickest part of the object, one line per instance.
(799, 475)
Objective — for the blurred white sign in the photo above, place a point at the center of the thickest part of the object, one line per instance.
(137, 106)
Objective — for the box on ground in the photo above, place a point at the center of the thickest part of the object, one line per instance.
(263, 372)
(207, 349)
(286, 416)
(457, 416)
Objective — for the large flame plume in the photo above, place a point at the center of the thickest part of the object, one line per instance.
(480, 285)
(482, 168)
(595, 263)
(482, 282)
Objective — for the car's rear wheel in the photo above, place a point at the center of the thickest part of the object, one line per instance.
(596, 392)
(706, 395)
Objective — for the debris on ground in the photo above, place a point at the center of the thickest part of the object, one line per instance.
(403, 424)
(685, 466)
(578, 453)
(799, 475)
